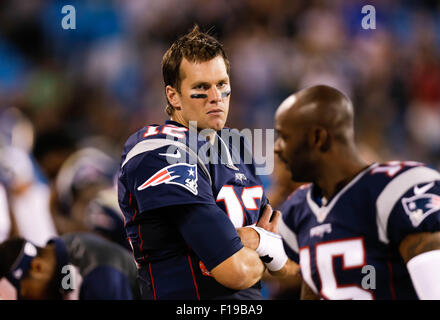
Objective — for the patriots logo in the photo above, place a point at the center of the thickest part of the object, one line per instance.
(420, 206)
(181, 174)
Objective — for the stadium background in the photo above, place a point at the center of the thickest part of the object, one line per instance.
(64, 90)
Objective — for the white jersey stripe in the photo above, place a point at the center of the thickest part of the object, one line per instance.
(395, 190)
(153, 144)
(288, 236)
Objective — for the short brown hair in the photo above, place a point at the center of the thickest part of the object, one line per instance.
(195, 46)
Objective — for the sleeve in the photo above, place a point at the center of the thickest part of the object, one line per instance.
(155, 182)
(418, 210)
(264, 202)
(408, 203)
(209, 232)
(106, 283)
(287, 231)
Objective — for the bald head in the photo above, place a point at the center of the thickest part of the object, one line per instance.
(314, 126)
(319, 106)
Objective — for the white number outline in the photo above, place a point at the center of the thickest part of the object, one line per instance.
(344, 267)
(168, 129)
(391, 168)
(238, 216)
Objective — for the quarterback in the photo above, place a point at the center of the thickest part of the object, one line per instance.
(182, 209)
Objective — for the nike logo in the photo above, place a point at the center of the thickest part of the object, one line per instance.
(172, 155)
(423, 189)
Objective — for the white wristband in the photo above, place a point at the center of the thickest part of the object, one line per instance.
(271, 249)
(424, 270)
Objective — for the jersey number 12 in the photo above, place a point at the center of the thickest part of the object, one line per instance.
(236, 208)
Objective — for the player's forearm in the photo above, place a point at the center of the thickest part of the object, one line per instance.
(253, 268)
(289, 270)
(240, 271)
(418, 243)
(421, 252)
(250, 239)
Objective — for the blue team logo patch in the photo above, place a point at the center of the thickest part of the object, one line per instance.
(181, 174)
(420, 206)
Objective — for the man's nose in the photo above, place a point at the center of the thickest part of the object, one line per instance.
(214, 94)
(277, 147)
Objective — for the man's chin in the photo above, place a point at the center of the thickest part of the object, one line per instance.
(298, 176)
(217, 126)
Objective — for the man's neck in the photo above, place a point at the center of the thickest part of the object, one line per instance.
(209, 134)
(177, 118)
(336, 176)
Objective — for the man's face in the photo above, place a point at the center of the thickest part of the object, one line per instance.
(292, 148)
(36, 284)
(32, 288)
(204, 93)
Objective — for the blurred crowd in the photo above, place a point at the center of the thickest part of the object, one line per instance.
(70, 98)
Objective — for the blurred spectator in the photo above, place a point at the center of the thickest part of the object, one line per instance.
(104, 217)
(80, 178)
(29, 198)
(26, 192)
(51, 149)
(77, 266)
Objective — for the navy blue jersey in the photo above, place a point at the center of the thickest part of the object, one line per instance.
(104, 270)
(182, 199)
(349, 247)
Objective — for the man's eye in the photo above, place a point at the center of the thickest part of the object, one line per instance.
(201, 87)
(281, 136)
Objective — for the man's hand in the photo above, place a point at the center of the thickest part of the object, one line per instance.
(269, 245)
(271, 252)
(250, 237)
(269, 219)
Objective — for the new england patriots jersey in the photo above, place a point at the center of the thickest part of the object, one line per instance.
(348, 248)
(104, 270)
(182, 198)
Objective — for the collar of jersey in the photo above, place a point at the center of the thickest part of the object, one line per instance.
(321, 212)
(174, 123)
(230, 164)
(178, 124)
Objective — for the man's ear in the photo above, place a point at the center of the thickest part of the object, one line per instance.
(173, 97)
(319, 139)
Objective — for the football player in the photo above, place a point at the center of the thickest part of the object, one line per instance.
(360, 230)
(184, 190)
(73, 266)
